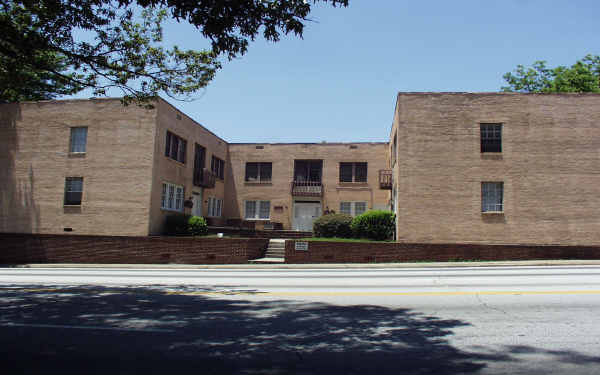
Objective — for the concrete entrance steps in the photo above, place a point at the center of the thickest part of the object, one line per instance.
(275, 252)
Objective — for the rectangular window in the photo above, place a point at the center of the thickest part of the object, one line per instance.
(215, 207)
(199, 162)
(492, 197)
(491, 137)
(258, 172)
(73, 191)
(265, 210)
(78, 139)
(353, 208)
(172, 197)
(217, 166)
(257, 210)
(346, 208)
(394, 150)
(175, 147)
(353, 172)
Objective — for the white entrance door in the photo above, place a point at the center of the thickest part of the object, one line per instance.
(304, 215)
(197, 208)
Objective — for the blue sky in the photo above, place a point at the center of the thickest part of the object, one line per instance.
(339, 83)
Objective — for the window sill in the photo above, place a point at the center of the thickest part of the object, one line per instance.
(171, 210)
(257, 219)
(175, 161)
(493, 213)
(258, 183)
(76, 155)
(353, 186)
(492, 155)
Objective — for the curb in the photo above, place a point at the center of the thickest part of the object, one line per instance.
(527, 263)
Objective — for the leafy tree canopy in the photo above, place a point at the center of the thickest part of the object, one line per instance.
(41, 57)
(583, 76)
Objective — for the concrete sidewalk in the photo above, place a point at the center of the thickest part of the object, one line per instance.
(525, 263)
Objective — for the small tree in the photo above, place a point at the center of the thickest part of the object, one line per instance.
(197, 226)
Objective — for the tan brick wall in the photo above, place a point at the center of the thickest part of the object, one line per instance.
(169, 170)
(549, 165)
(35, 159)
(282, 157)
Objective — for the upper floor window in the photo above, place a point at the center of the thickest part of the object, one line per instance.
(492, 196)
(394, 150)
(491, 137)
(73, 191)
(258, 172)
(353, 172)
(78, 139)
(175, 147)
(217, 166)
(172, 197)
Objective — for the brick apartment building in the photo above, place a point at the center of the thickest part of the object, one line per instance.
(497, 168)
(97, 167)
(485, 168)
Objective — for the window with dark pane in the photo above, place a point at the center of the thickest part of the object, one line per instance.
(78, 139)
(175, 147)
(491, 137)
(360, 172)
(73, 191)
(258, 172)
(492, 196)
(346, 172)
(353, 172)
(217, 166)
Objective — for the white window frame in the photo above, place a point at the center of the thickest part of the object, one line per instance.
(353, 207)
(257, 209)
(172, 197)
(215, 207)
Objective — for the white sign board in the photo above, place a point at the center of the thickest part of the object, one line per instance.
(301, 246)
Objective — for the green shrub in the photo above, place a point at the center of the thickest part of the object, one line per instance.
(333, 225)
(197, 226)
(177, 225)
(376, 225)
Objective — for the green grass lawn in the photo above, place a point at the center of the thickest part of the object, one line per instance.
(338, 239)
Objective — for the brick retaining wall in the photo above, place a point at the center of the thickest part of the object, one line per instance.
(373, 252)
(48, 248)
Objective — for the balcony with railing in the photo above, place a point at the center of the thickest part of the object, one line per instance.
(385, 179)
(203, 177)
(307, 188)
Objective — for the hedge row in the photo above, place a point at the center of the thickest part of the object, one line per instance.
(375, 225)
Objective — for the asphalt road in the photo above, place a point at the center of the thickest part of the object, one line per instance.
(492, 320)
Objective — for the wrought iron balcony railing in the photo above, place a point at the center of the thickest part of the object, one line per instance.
(385, 179)
(307, 188)
(204, 177)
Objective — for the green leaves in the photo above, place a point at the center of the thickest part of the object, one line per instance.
(583, 76)
(40, 58)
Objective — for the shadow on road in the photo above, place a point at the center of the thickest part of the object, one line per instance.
(94, 329)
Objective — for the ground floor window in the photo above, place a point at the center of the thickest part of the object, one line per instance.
(492, 196)
(172, 197)
(257, 210)
(353, 208)
(215, 207)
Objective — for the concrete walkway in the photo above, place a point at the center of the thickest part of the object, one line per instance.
(526, 263)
